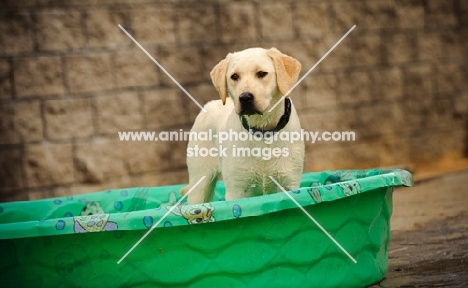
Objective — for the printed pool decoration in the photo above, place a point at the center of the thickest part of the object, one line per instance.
(264, 241)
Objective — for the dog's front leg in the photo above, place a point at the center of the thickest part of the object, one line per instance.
(199, 166)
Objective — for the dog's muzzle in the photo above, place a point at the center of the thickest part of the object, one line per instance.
(246, 100)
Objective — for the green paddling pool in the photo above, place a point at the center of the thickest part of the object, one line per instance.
(264, 241)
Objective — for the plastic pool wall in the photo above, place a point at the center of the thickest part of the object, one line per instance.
(256, 242)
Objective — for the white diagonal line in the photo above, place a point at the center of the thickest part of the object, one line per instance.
(310, 70)
(396, 250)
(162, 68)
(160, 220)
(315, 221)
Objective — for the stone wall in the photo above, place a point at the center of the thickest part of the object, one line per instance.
(70, 79)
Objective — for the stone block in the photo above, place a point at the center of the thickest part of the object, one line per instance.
(48, 165)
(360, 155)
(320, 91)
(43, 193)
(347, 120)
(184, 64)
(15, 33)
(427, 147)
(20, 122)
(338, 59)
(350, 156)
(28, 121)
(196, 24)
(102, 29)
(5, 80)
(419, 81)
(348, 14)
(440, 14)
(354, 87)
(100, 161)
(444, 112)
(177, 152)
(203, 93)
(388, 83)
(453, 145)
(85, 188)
(409, 14)
(237, 22)
(153, 26)
(311, 19)
(463, 13)
(36, 77)
(379, 14)
(393, 151)
(37, 194)
(429, 46)
(135, 69)
(367, 50)
(328, 158)
(276, 21)
(157, 156)
(398, 47)
(374, 120)
(59, 192)
(68, 119)
(20, 195)
(454, 44)
(460, 105)
(160, 179)
(165, 108)
(89, 74)
(319, 121)
(121, 112)
(322, 158)
(451, 78)
(59, 30)
(407, 116)
(10, 170)
(7, 124)
(147, 156)
(413, 115)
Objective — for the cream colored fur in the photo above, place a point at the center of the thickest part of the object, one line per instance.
(249, 176)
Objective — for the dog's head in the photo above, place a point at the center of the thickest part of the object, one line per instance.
(255, 78)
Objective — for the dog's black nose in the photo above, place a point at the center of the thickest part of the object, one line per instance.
(246, 97)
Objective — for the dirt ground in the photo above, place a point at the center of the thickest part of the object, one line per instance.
(437, 198)
(429, 244)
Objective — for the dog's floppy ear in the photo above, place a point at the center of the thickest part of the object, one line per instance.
(218, 76)
(287, 69)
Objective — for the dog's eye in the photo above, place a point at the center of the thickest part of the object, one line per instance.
(261, 74)
(235, 77)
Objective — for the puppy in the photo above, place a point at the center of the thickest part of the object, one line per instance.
(249, 83)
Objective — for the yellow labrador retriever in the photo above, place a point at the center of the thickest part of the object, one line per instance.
(249, 83)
